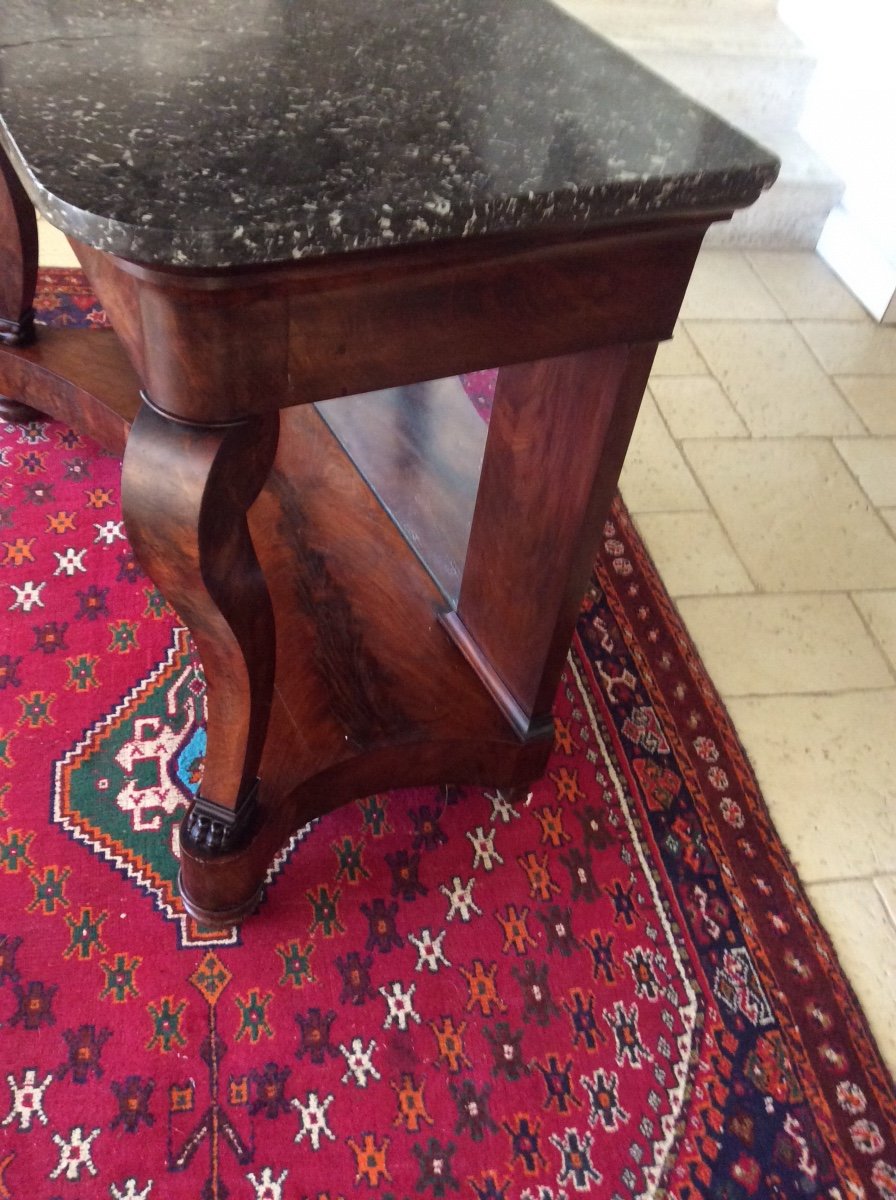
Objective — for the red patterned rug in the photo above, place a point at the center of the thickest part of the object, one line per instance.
(615, 988)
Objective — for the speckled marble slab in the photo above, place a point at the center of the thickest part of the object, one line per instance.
(226, 132)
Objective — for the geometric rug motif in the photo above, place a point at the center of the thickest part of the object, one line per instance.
(124, 788)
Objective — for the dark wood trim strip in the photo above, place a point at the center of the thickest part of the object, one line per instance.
(526, 726)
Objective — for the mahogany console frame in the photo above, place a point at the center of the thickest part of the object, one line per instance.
(367, 616)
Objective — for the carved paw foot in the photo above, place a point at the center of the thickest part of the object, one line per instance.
(211, 830)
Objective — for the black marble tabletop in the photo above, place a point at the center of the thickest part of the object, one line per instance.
(223, 132)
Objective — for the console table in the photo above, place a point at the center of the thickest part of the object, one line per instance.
(293, 212)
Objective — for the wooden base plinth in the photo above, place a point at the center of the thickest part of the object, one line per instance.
(79, 376)
(222, 917)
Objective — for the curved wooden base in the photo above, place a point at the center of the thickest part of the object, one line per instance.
(80, 376)
(219, 918)
(223, 889)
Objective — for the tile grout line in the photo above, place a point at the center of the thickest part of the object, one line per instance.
(847, 595)
(870, 631)
(678, 444)
(751, 436)
(839, 693)
(831, 374)
(758, 590)
(764, 285)
(847, 879)
(833, 378)
(855, 478)
(890, 913)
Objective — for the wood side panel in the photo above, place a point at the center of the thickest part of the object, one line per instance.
(362, 660)
(537, 303)
(556, 443)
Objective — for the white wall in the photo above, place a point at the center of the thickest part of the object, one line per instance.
(849, 119)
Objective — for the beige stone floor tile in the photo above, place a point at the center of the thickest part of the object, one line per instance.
(804, 286)
(724, 285)
(772, 379)
(879, 610)
(886, 885)
(696, 406)
(655, 477)
(873, 462)
(826, 765)
(678, 356)
(874, 398)
(53, 247)
(771, 645)
(692, 553)
(683, 24)
(848, 348)
(796, 518)
(889, 515)
(864, 940)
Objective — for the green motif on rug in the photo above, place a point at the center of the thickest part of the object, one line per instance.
(123, 789)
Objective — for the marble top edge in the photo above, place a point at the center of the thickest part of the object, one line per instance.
(365, 125)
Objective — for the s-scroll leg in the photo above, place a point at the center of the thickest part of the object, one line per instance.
(186, 489)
